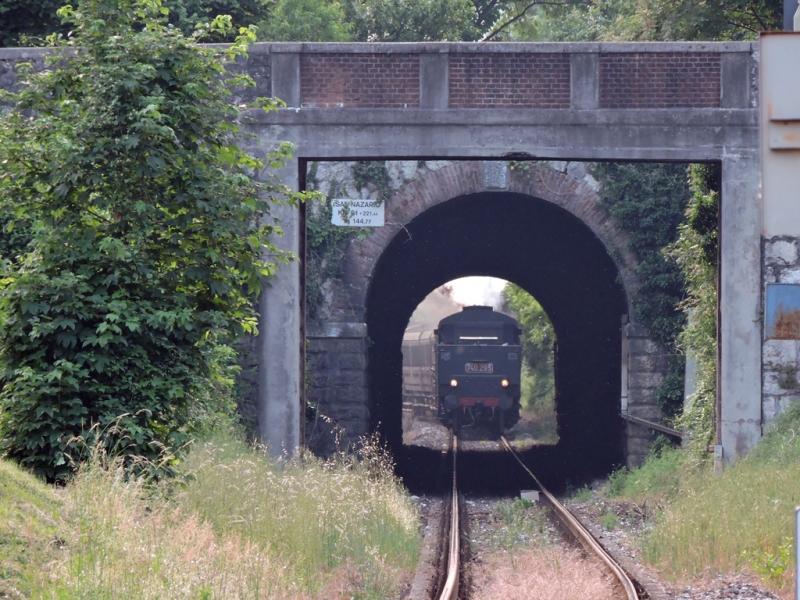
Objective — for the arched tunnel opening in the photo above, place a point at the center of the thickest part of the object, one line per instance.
(555, 257)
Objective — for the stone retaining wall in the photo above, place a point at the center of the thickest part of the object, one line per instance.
(780, 357)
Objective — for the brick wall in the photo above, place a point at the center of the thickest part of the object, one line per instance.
(509, 80)
(360, 80)
(659, 80)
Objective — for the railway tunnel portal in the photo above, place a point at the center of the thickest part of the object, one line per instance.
(551, 254)
(530, 224)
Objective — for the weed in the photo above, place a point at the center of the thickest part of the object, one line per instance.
(659, 477)
(583, 494)
(521, 522)
(772, 564)
(237, 524)
(609, 521)
(721, 523)
(616, 482)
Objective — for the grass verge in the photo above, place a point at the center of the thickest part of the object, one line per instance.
(237, 525)
(739, 521)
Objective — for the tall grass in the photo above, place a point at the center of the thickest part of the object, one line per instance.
(741, 520)
(319, 514)
(28, 525)
(236, 525)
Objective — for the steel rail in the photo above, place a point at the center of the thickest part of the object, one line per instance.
(450, 589)
(579, 531)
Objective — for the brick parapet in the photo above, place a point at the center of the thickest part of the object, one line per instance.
(654, 75)
(510, 80)
(660, 80)
(359, 80)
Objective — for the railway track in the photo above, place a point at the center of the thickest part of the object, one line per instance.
(591, 545)
(450, 589)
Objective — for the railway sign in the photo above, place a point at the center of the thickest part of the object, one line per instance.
(349, 212)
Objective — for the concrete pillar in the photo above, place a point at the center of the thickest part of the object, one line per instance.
(285, 76)
(584, 81)
(789, 8)
(739, 376)
(434, 81)
(735, 88)
(280, 344)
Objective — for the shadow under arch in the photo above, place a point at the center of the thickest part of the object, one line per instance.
(554, 256)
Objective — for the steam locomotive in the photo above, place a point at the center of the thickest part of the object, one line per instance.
(467, 370)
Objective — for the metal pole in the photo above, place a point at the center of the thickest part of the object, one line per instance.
(797, 553)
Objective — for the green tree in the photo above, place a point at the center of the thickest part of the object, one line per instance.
(186, 15)
(538, 341)
(149, 232)
(305, 21)
(412, 20)
(29, 22)
(21, 20)
(648, 20)
(649, 202)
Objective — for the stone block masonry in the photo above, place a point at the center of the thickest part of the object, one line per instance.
(647, 367)
(780, 358)
(336, 386)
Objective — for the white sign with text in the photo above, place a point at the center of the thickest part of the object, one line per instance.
(357, 213)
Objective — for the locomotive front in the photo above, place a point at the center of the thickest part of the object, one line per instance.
(478, 356)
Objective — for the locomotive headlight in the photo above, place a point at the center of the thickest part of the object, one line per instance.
(504, 383)
(453, 382)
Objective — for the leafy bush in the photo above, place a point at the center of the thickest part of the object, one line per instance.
(148, 235)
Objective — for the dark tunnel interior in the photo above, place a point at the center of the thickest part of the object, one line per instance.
(555, 257)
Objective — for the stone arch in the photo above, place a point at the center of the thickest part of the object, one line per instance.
(463, 178)
(338, 349)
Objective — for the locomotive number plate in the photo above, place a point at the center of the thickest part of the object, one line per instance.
(479, 367)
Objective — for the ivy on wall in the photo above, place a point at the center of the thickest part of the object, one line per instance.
(696, 252)
(649, 202)
(326, 242)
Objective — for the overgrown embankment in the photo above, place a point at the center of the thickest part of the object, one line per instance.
(742, 520)
(235, 525)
